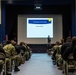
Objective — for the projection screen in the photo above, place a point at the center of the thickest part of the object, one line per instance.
(37, 33)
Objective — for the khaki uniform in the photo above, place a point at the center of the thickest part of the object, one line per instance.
(11, 54)
(58, 56)
(9, 50)
(1, 65)
(55, 50)
(27, 52)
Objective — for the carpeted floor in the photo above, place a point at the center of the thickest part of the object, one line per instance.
(39, 64)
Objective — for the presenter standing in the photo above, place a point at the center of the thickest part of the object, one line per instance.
(49, 41)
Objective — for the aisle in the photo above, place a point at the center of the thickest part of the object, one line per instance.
(39, 64)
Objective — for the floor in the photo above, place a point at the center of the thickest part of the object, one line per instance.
(39, 64)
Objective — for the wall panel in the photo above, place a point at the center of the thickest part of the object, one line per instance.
(0, 11)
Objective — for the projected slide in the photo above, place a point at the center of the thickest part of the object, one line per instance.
(39, 27)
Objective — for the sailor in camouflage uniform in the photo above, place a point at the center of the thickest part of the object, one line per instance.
(1, 60)
(11, 55)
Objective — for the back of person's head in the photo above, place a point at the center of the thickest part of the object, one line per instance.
(8, 42)
(13, 42)
(21, 43)
(57, 43)
(0, 44)
(74, 40)
(68, 39)
(62, 41)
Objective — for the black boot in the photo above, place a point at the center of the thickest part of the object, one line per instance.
(16, 69)
(1, 67)
(6, 73)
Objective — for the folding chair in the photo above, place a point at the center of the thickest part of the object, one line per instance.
(67, 65)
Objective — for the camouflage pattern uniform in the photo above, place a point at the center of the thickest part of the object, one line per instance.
(2, 57)
(28, 51)
(55, 49)
(11, 54)
(1, 65)
(58, 56)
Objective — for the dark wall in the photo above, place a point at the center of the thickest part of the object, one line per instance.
(38, 48)
(2, 25)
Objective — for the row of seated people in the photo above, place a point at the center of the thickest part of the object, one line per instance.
(15, 55)
(61, 54)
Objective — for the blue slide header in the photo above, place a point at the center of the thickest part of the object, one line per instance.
(39, 21)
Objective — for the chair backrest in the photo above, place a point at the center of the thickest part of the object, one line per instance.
(70, 56)
(22, 51)
(2, 56)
